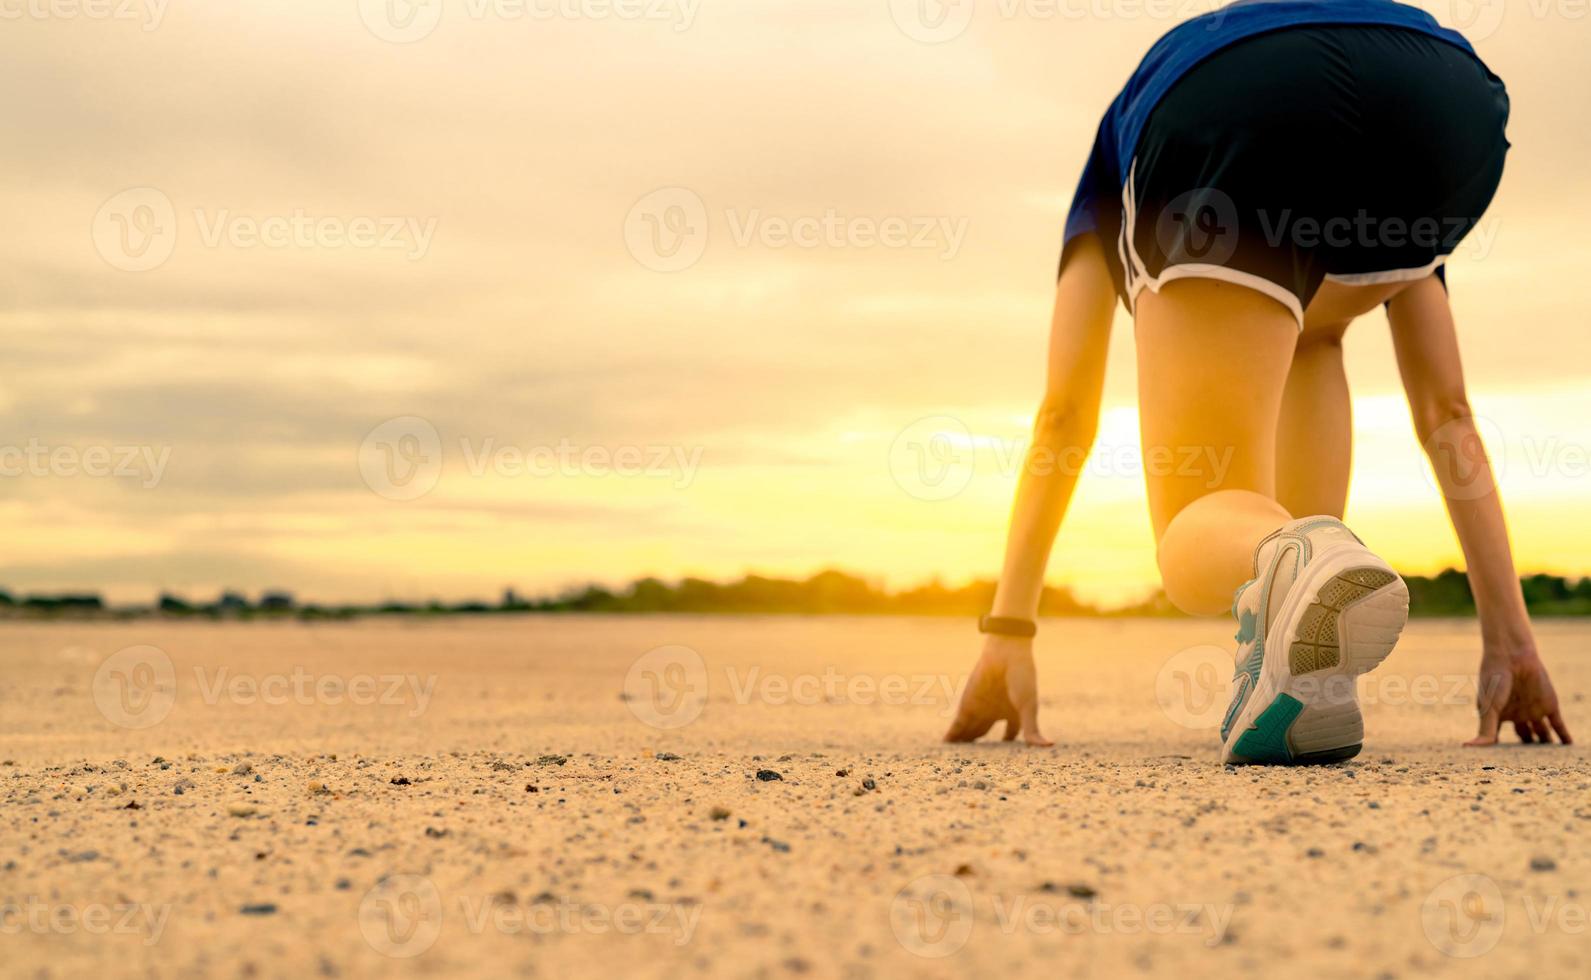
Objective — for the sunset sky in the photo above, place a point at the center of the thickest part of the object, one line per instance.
(663, 287)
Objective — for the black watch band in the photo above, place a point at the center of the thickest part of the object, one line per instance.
(1007, 626)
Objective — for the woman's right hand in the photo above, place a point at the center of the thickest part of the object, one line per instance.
(1003, 687)
(1514, 686)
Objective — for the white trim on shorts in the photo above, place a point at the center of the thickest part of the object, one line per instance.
(1388, 275)
(1138, 278)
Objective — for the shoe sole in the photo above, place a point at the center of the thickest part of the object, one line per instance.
(1305, 708)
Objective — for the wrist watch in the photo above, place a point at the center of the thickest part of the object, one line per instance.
(1007, 626)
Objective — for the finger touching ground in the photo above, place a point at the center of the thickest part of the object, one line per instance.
(1491, 718)
(1030, 724)
(1556, 719)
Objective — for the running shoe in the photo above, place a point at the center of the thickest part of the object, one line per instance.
(1321, 610)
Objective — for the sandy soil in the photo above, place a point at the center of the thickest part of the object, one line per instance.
(753, 797)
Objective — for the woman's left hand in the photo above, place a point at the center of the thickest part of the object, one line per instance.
(1515, 687)
(1004, 686)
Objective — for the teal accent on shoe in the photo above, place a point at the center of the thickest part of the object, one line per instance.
(1237, 595)
(1245, 684)
(1247, 626)
(1266, 739)
(1247, 675)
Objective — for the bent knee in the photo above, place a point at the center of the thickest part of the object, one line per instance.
(1321, 338)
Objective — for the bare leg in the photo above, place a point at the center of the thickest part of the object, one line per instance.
(1213, 360)
(1314, 447)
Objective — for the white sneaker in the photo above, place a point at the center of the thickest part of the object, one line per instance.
(1321, 610)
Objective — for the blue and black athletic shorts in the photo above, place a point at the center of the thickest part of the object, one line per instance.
(1358, 153)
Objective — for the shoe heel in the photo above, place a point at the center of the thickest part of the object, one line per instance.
(1352, 625)
(1348, 631)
